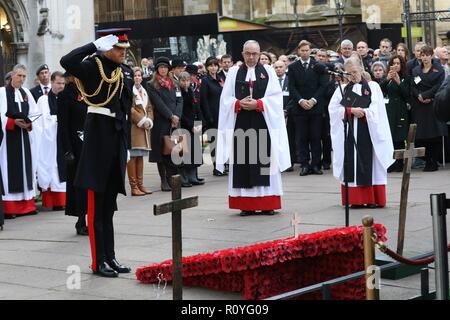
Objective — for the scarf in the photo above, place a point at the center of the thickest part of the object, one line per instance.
(165, 83)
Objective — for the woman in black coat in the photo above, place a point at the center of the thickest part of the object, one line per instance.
(426, 80)
(191, 121)
(210, 92)
(396, 87)
(167, 107)
(71, 118)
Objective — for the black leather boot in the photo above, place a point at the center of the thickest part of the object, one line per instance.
(162, 174)
(192, 177)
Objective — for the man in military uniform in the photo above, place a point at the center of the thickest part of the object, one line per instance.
(105, 83)
(44, 86)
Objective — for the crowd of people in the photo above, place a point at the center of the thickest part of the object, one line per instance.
(171, 94)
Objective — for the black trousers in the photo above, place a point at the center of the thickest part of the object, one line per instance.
(101, 218)
(308, 132)
(326, 140)
(290, 127)
(432, 149)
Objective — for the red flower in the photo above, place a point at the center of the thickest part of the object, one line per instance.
(25, 99)
(366, 92)
(262, 77)
(80, 98)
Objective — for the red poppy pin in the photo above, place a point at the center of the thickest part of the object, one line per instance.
(25, 99)
(366, 92)
(435, 70)
(221, 82)
(262, 77)
(79, 98)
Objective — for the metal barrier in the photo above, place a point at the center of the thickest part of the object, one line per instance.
(439, 206)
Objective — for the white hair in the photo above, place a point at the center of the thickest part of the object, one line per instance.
(18, 67)
(248, 42)
(346, 42)
(353, 61)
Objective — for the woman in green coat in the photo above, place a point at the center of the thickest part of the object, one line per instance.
(396, 87)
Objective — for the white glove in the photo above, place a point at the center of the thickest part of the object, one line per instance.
(106, 43)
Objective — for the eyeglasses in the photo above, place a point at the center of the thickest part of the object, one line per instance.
(251, 54)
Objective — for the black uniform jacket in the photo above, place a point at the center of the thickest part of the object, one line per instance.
(106, 139)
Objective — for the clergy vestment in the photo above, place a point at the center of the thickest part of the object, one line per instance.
(18, 151)
(51, 166)
(369, 145)
(253, 185)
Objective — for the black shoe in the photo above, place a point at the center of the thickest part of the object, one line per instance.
(305, 171)
(430, 167)
(372, 206)
(165, 186)
(58, 208)
(399, 167)
(196, 182)
(10, 216)
(82, 230)
(200, 179)
(245, 213)
(326, 166)
(357, 206)
(268, 212)
(290, 169)
(105, 270)
(118, 267)
(217, 173)
(316, 170)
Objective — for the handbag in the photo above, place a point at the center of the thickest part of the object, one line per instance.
(175, 143)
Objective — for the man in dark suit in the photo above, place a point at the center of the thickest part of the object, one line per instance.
(306, 88)
(226, 62)
(280, 69)
(44, 86)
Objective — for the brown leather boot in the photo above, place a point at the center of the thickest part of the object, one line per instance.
(131, 169)
(140, 175)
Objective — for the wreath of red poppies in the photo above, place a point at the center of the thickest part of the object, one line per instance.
(267, 269)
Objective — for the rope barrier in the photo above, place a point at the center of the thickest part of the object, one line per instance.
(383, 248)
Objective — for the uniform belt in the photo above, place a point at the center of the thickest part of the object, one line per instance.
(101, 110)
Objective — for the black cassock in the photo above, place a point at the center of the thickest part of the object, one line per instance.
(15, 140)
(361, 143)
(248, 175)
(71, 118)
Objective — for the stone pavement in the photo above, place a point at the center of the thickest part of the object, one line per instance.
(35, 251)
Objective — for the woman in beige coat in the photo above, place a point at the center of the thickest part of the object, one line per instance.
(141, 123)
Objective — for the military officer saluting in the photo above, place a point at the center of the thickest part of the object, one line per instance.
(105, 84)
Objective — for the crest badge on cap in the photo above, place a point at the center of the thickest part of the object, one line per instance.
(120, 33)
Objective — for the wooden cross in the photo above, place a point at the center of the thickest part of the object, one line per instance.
(175, 207)
(294, 222)
(408, 155)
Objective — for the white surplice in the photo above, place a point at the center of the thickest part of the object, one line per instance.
(33, 135)
(47, 170)
(380, 134)
(274, 116)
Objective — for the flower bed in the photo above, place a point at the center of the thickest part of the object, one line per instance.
(267, 269)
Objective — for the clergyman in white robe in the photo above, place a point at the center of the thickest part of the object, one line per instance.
(19, 202)
(368, 175)
(53, 189)
(256, 187)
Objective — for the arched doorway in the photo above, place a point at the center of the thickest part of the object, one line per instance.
(7, 57)
(13, 19)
